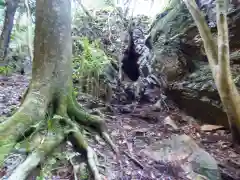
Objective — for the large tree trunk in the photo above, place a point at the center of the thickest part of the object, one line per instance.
(50, 92)
(219, 61)
(11, 7)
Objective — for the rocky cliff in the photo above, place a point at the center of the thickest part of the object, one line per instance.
(181, 54)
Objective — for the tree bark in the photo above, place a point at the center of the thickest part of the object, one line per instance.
(50, 92)
(11, 7)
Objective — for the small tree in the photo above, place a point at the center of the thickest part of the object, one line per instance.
(11, 7)
(50, 94)
(219, 61)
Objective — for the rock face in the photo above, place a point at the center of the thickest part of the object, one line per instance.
(198, 96)
(197, 93)
(108, 26)
(190, 80)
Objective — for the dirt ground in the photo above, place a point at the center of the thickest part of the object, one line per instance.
(132, 130)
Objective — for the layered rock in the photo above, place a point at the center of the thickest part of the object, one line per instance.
(190, 80)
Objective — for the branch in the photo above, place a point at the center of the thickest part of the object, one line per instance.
(223, 41)
(85, 10)
(204, 30)
(82, 144)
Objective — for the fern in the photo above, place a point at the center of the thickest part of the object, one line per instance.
(89, 66)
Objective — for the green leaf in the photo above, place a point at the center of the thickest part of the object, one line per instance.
(2, 3)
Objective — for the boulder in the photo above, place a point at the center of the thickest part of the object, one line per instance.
(196, 93)
(182, 152)
(181, 56)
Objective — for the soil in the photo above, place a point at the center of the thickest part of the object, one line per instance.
(132, 130)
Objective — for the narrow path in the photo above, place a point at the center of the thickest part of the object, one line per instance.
(134, 131)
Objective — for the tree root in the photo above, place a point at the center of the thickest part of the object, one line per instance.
(53, 139)
(134, 160)
(83, 145)
(31, 112)
(90, 120)
(110, 142)
(92, 163)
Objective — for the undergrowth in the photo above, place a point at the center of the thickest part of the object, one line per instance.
(88, 66)
(5, 70)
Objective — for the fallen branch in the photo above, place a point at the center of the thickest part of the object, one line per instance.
(134, 160)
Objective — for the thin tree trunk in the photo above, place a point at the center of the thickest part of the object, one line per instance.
(29, 31)
(11, 7)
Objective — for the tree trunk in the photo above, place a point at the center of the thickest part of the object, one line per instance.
(11, 7)
(219, 61)
(50, 93)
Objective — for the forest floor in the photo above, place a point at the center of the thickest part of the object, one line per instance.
(132, 131)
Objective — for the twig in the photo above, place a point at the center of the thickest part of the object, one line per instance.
(109, 27)
(134, 160)
(85, 10)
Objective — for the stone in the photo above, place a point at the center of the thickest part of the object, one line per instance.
(168, 121)
(182, 151)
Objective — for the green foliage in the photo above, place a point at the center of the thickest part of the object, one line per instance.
(5, 70)
(40, 177)
(84, 174)
(88, 66)
(2, 4)
(75, 91)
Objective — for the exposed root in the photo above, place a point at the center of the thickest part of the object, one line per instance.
(76, 168)
(83, 145)
(31, 141)
(31, 112)
(110, 142)
(53, 139)
(90, 120)
(134, 160)
(26, 167)
(92, 163)
(74, 109)
(24, 96)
